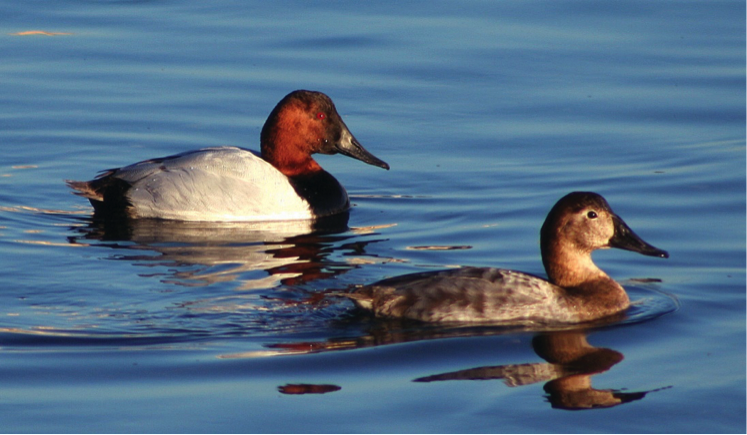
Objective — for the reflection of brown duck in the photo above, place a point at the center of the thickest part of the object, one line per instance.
(571, 362)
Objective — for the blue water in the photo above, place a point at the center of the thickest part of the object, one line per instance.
(487, 112)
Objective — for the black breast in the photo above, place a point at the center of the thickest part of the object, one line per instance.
(322, 191)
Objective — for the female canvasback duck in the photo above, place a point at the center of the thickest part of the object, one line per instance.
(235, 184)
(577, 290)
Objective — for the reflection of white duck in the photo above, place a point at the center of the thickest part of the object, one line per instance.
(234, 184)
(197, 253)
(577, 290)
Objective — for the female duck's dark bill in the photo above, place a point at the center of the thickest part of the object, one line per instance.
(625, 238)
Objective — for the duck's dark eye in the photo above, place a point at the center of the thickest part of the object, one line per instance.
(321, 115)
(591, 215)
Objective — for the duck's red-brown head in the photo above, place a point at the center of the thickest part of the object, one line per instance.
(304, 123)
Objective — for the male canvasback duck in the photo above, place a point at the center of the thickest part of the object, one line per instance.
(577, 290)
(234, 184)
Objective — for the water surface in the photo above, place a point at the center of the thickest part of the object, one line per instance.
(487, 112)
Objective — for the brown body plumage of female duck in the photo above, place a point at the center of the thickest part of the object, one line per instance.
(577, 290)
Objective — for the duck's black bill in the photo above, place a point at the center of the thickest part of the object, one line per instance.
(625, 238)
(349, 146)
(355, 150)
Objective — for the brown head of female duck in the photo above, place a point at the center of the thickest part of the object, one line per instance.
(578, 224)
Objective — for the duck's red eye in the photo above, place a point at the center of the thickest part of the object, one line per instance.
(321, 115)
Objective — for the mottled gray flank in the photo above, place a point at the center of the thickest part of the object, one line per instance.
(468, 294)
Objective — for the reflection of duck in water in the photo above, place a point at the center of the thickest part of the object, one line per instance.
(234, 184)
(577, 290)
(571, 362)
(199, 253)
